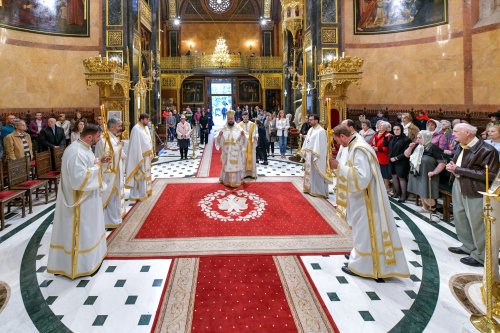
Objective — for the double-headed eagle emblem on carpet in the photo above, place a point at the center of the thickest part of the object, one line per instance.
(230, 205)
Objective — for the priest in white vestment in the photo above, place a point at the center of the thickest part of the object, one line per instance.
(112, 173)
(139, 156)
(78, 243)
(314, 152)
(250, 147)
(377, 251)
(231, 139)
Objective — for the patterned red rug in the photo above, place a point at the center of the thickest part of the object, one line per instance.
(253, 209)
(215, 163)
(240, 294)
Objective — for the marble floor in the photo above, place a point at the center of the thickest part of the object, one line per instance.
(125, 294)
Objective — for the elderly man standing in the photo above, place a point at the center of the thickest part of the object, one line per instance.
(139, 156)
(250, 148)
(18, 143)
(314, 152)
(231, 139)
(112, 173)
(51, 136)
(66, 126)
(78, 243)
(468, 167)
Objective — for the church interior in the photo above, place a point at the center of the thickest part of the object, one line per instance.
(270, 260)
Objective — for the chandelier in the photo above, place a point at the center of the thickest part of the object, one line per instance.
(221, 55)
(219, 6)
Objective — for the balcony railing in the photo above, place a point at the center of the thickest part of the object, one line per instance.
(187, 63)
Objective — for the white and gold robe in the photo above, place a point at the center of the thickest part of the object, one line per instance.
(250, 148)
(138, 170)
(314, 152)
(377, 251)
(78, 243)
(113, 175)
(231, 141)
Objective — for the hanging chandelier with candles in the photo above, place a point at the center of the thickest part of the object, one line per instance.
(221, 55)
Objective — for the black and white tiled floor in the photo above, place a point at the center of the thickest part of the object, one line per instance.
(123, 296)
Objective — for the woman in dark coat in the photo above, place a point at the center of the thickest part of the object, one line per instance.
(262, 142)
(399, 163)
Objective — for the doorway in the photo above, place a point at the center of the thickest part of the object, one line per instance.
(221, 91)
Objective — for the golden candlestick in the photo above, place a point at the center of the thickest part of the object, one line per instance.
(108, 153)
(486, 323)
(193, 139)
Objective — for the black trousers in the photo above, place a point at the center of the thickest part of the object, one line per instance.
(204, 136)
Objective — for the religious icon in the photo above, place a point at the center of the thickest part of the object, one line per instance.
(192, 92)
(384, 16)
(58, 17)
(248, 91)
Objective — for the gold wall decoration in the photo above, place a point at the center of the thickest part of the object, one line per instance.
(137, 41)
(267, 8)
(113, 81)
(169, 82)
(114, 38)
(329, 35)
(272, 81)
(145, 14)
(172, 9)
(292, 13)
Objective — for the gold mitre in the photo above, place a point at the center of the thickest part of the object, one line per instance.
(230, 113)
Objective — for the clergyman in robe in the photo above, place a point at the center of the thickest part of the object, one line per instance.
(250, 147)
(314, 152)
(112, 173)
(377, 251)
(231, 139)
(78, 243)
(139, 156)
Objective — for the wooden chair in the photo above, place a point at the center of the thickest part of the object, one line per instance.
(57, 154)
(6, 198)
(19, 180)
(44, 169)
(445, 192)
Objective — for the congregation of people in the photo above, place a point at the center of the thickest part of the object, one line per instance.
(95, 168)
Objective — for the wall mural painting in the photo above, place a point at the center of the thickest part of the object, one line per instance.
(248, 91)
(192, 92)
(387, 16)
(58, 17)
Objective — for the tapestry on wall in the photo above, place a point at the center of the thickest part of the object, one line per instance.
(61, 17)
(388, 16)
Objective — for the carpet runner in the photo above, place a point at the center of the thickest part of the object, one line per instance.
(215, 162)
(254, 209)
(242, 294)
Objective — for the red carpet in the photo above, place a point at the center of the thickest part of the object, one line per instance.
(242, 294)
(265, 209)
(215, 163)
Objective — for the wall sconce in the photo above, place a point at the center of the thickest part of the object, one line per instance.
(191, 44)
(250, 45)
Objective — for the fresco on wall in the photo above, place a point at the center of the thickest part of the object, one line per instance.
(387, 16)
(58, 17)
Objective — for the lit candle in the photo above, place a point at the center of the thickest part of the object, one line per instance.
(487, 182)
(343, 54)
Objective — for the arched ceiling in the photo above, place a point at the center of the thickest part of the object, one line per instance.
(220, 10)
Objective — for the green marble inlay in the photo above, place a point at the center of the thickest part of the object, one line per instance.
(411, 294)
(82, 283)
(131, 300)
(26, 224)
(373, 295)
(110, 269)
(157, 282)
(90, 300)
(366, 315)
(315, 266)
(414, 278)
(417, 252)
(418, 316)
(144, 320)
(37, 308)
(415, 264)
(41, 269)
(99, 320)
(333, 297)
(342, 279)
(120, 283)
(51, 299)
(145, 269)
(426, 219)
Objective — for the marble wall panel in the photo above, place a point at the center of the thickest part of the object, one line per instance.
(237, 35)
(486, 67)
(411, 74)
(42, 71)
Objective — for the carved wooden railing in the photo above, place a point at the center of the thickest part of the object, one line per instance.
(235, 62)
